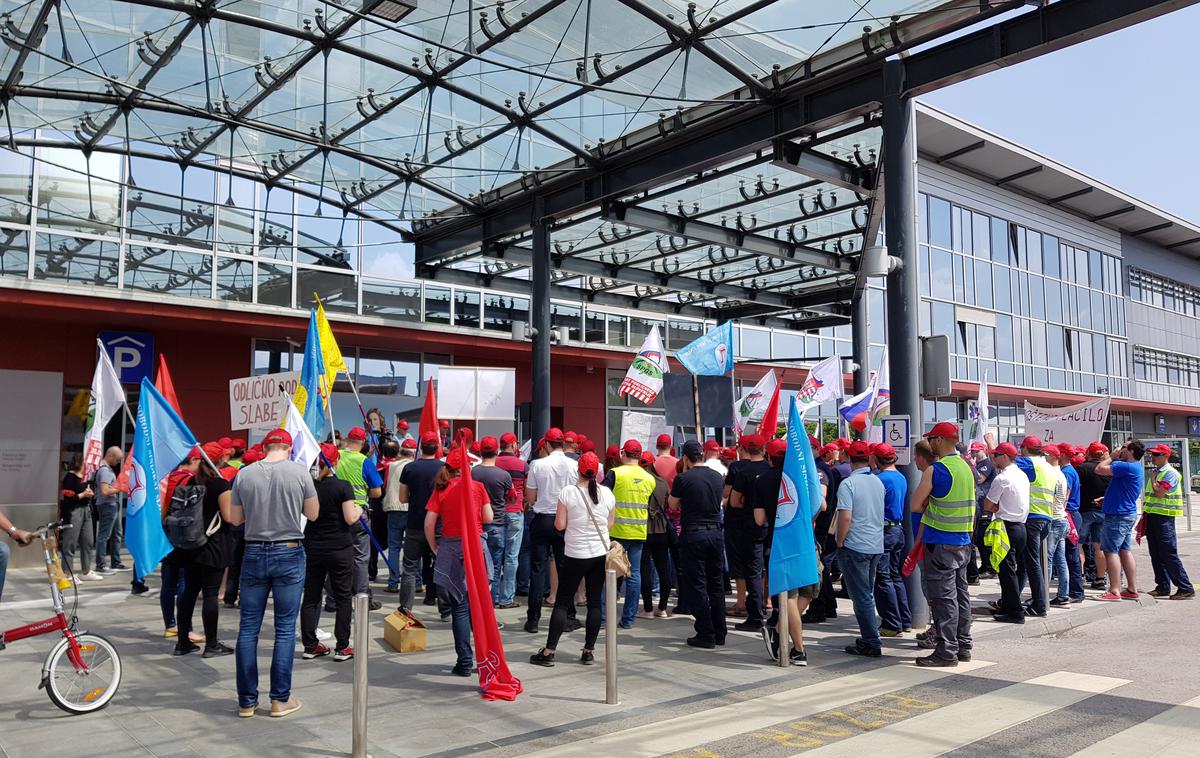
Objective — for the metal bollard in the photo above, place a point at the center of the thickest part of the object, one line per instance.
(785, 642)
(362, 624)
(610, 637)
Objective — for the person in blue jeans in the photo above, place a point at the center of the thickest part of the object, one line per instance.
(396, 512)
(860, 544)
(891, 594)
(269, 498)
(1120, 515)
(499, 486)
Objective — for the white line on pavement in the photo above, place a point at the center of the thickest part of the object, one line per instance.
(1174, 733)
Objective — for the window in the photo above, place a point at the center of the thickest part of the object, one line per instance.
(939, 222)
(391, 300)
(618, 327)
(501, 310)
(756, 343)
(680, 333)
(466, 308)
(235, 280)
(75, 259)
(639, 329)
(274, 284)
(437, 305)
(568, 316)
(594, 328)
(1050, 255)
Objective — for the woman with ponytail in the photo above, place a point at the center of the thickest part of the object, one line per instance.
(585, 514)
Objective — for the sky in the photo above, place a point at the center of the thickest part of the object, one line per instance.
(1122, 108)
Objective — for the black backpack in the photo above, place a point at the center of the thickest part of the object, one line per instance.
(184, 522)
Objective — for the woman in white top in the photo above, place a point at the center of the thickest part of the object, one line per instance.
(585, 514)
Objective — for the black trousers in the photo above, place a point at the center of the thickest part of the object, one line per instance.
(338, 567)
(237, 539)
(677, 571)
(825, 605)
(1010, 582)
(981, 554)
(746, 547)
(657, 552)
(701, 582)
(545, 544)
(379, 528)
(199, 580)
(571, 571)
(1037, 532)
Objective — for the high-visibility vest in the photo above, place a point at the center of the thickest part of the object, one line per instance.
(1169, 503)
(350, 469)
(1041, 490)
(632, 488)
(956, 511)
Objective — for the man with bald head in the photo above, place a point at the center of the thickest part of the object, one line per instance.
(108, 513)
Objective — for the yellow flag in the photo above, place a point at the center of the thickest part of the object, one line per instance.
(330, 351)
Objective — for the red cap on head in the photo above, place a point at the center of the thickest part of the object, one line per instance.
(252, 455)
(357, 433)
(277, 437)
(474, 448)
(752, 443)
(647, 458)
(457, 459)
(570, 437)
(1161, 449)
(444, 424)
(508, 438)
(1097, 448)
(239, 443)
(429, 436)
(816, 443)
(554, 436)
(729, 454)
(1005, 448)
(402, 424)
(858, 449)
(842, 443)
(1078, 459)
(612, 451)
(489, 445)
(943, 429)
(632, 448)
(1051, 451)
(776, 448)
(331, 453)
(1032, 443)
(664, 440)
(710, 445)
(587, 446)
(408, 444)
(589, 463)
(885, 452)
(225, 442)
(977, 445)
(214, 450)
(829, 447)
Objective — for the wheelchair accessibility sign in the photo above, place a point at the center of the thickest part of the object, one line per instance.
(897, 432)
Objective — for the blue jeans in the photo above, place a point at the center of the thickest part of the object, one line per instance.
(858, 574)
(633, 583)
(460, 626)
(172, 587)
(891, 594)
(4, 551)
(106, 521)
(397, 521)
(1117, 532)
(1058, 556)
(511, 558)
(276, 570)
(1074, 567)
(493, 539)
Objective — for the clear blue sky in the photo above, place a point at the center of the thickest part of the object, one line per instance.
(1123, 108)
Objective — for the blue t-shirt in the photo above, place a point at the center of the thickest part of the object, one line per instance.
(371, 473)
(895, 492)
(942, 481)
(1073, 483)
(1128, 480)
(862, 494)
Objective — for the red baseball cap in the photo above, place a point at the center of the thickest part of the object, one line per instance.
(1005, 448)
(776, 448)
(943, 429)
(408, 444)
(612, 451)
(225, 442)
(729, 454)
(356, 433)
(402, 424)
(752, 443)
(1097, 448)
(508, 438)
(710, 445)
(429, 436)
(842, 443)
(277, 437)
(647, 458)
(632, 448)
(1078, 459)
(1161, 449)
(474, 448)
(589, 463)
(828, 447)
(489, 445)
(885, 452)
(587, 446)
(858, 449)
(239, 443)
(816, 443)
(444, 424)
(1052, 451)
(331, 453)
(977, 445)
(664, 440)
(554, 435)
(252, 455)
(1032, 443)
(570, 437)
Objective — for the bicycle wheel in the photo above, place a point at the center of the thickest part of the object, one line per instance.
(83, 690)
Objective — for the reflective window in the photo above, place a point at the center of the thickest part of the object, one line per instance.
(618, 328)
(500, 311)
(235, 280)
(594, 328)
(393, 301)
(383, 372)
(756, 343)
(16, 186)
(339, 292)
(437, 305)
(78, 193)
(169, 272)
(466, 308)
(639, 329)
(680, 333)
(939, 222)
(76, 259)
(14, 253)
(274, 284)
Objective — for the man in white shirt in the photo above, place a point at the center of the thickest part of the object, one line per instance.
(1008, 499)
(547, 477)
(712, 458)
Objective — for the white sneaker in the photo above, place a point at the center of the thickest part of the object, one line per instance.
(322, 634)
(90, 576)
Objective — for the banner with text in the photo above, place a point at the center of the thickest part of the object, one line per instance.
(1077, 424)
(255, 402)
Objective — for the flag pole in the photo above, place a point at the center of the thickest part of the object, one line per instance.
(357, 398)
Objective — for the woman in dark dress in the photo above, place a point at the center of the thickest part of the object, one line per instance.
(329, 553)
(204, 567)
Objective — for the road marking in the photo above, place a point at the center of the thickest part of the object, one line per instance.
(731, 720)
(954, 726)
(1174, 733)
(108, 598)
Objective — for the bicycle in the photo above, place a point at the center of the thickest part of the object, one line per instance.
(82, 672)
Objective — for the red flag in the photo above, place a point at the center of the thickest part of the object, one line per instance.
(429, 417)
(164, 385)
(496, 682)
(770, 419)
(910, 563)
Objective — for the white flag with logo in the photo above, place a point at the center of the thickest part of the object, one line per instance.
(107, 398)
(305, 449)
(752, 405)
(824, 383)
(644, 379)
(979, 414)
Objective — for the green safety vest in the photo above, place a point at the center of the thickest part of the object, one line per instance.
(1041, 490)
(956, 511)
(350, 469)
(1169, 503)
(632, 489)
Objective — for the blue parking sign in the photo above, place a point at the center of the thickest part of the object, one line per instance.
(131, 353)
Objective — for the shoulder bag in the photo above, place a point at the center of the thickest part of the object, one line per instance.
(615, 557)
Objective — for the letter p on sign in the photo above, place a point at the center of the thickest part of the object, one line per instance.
(131, 353)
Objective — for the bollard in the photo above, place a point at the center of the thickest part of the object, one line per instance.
(362, 624)
(610, 637)
(785, 641)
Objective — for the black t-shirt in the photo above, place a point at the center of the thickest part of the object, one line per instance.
(699, 491)
(1091, 485)
(832, 479)
(743, 483)
(72, 483)
(418, 476)
(498, 484)
(217, 549)
(766, 496)
(330, 531)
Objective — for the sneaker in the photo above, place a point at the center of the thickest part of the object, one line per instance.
(1100, 584)
(279, 709)
(542, 658)
(245, 713)
(964, 656)
(1109, 597)
(183, 648)
(1059, 602)
(138, 588)
(885, 632)
(344, 654)
(622, 624)
(430, 599)
(323, 635)
(392, 590)
(587, 658)
(645, 614)
(316, 651)
(216, 649)
(506, 606)
(770, 639)
(1159, 593)
(119, 567)
(461, 671)
(329, 608)
(90, 576)
(866, 652)
(662, 614)
(531, 626)
(929, 643)
(171, 633)
(375, 605)
(698, 641)
(748, 626)
(935, 662)
(105, 571)
(1128, 595)
(1004, 618)
(1181, 595)
(798, 657)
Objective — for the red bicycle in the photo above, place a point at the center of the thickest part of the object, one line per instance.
(82, 672)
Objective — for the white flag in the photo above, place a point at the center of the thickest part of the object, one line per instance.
(980, 413)
(107, 398)
(644, 379)
(824, 383)
(752, 405)
(881, 399)
(305, 449)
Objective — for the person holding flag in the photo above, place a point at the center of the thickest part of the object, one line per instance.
(355, 467)
(329, 552)
(312, 396)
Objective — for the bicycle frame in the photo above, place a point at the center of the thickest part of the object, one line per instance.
(59, 621)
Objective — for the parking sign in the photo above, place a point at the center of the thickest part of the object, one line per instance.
(131, 353)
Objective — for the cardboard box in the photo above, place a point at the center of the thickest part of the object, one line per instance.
(405, 634)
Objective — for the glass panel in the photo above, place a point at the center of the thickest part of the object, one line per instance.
(382, 372)
(500, 311)
(74, 259)
(639, 329)
(235, 280)
(169, 272)
(274, 284)
(983, 283)
(958, 277)
(1003, 289)
(339, 292)
(941, 273)
(923, 277)
(16, 187)
(568, 316)
(680, 333)
(437, 305)
(14, 253)
(79, 194)
(1033, 251)
(235, 219)
(981, 236)
(787, 345)
(617, 330)
(466, 308)
(394, 301)
(594, 325)
(1000, 241)
(756, 343)
(1095, 273)
(939, 222)
(1050, 255)
(1037, 297)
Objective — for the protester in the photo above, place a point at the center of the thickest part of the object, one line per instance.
(108, 513)
(1163, 503)
(632, 486)
(396, 511)
(20, 536)
(1074, 553)
(985, 472)
(860, 518)
(824, 605)
(389, 454)
(75, 509)
(1042, 494)
(1092, 487)
(237, 539)
(269, 498)
(1120, 515)
(547, 477)
(329, 554)
(449, 569)
(660, 535)
(514, 518)
(665, 464)
(744, 538)
(696, 494)
(416, 487)
(357, 469)
(585, 514)
(891, 593)
(498, 484)
(1059, 528)
(1008, 500)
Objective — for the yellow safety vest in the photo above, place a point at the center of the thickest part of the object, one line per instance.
(632, 488)
(350, 469)
(1041, 490)
(956, 511)
(1170, 503)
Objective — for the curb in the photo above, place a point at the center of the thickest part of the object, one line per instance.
(1090, 611)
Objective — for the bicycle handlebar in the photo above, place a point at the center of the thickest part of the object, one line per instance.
(53, 525)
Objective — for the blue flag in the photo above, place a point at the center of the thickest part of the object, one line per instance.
(711, 354)
(160, 442)
(793, 549)
(310, 397)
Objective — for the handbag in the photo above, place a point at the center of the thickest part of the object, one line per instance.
(615, 557)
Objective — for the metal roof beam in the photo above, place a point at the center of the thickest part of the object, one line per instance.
(1118, 212)
(815, 165)
(31, 42)
(1069, 196)
(960, 152)
(1018, 175)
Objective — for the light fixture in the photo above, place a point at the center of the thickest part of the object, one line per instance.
(877, 262)
(389, 10)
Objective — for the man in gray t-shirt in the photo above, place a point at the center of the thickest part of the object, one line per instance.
(269, 498)
(108, 513)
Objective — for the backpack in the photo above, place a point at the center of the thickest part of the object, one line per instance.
(184, 520)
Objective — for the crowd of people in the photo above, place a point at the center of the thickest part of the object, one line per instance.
(248, 523)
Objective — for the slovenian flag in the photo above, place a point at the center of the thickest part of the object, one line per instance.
(161, 441)
(793, 561)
